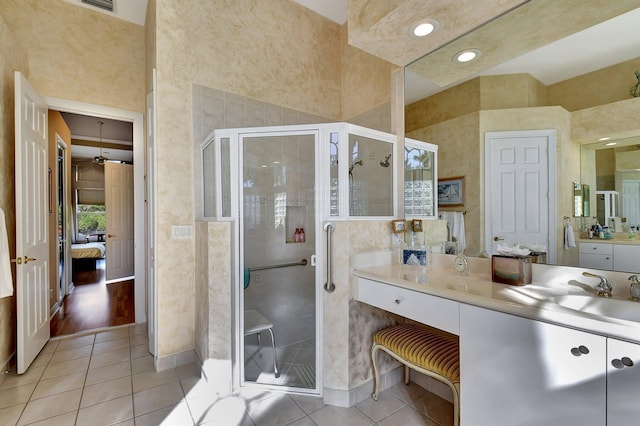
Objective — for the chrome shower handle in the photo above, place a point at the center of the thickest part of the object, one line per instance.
(329, 286)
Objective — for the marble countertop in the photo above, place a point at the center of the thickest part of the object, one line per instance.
(614, 240)
(529, 301)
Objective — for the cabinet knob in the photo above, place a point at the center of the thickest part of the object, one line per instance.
(622, 363)
(580, 350)
(397, 301)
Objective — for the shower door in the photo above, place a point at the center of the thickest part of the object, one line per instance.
(279, 309)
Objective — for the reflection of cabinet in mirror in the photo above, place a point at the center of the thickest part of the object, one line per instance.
(420, 175)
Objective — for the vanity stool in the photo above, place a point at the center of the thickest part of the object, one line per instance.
(256, 323)
(425, 350)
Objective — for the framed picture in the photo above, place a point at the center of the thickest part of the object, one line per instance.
(451, 191)
(398, 226)
(416, 225)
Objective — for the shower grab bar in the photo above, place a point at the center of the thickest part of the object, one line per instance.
(329, 286)
(303, 262)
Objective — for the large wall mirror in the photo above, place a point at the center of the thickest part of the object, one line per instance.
(544, 65)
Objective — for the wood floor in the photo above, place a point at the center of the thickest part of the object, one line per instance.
(94, 304)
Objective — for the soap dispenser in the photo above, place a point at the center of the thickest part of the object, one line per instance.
(634, 289)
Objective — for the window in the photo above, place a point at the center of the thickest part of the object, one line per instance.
(91, 221)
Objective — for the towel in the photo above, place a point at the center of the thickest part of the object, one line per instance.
(455, 220)
(6, 281)
(569, 238)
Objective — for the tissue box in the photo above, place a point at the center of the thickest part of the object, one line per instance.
(514, 270)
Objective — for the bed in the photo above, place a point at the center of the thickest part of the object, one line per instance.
(85, 255)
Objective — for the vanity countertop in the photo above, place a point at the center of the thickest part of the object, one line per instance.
(529, 301)
(614, 240)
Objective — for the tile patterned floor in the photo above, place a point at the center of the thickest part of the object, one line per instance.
(108, 378)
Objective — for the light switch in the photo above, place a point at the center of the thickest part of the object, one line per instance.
(181, 232)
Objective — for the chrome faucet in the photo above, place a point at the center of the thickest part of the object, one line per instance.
(604, 289)
(634, 289)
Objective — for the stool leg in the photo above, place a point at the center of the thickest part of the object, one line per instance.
(456, 407)
(376, 373)
(259, 345)
(406, 375)
(273, 343)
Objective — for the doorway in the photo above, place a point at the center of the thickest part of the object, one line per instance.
(63, 256)
(66, 106)
(278, 242)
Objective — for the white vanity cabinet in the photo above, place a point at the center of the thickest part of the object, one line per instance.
(623, 383)
(610, 256)
(596, 255)
(516, 371)
(626, 257)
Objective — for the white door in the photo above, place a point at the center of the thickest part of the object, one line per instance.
(519, 189)
(32, 206)
(623, 376)
(118, 192)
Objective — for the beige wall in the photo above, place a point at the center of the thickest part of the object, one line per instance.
(13, 59)
(365, 80)
(78, 54)
(481, 93)
(600, 87)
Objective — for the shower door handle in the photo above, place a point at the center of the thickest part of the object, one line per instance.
(329, 286)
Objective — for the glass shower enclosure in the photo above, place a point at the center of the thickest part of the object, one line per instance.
(279, 185)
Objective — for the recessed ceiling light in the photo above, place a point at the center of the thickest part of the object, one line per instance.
(604, 139)
(423, 28)
(467, 55)
(610, 144)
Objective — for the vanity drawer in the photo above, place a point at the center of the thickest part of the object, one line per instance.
(426, 309)
(596, 248)
(596, 261)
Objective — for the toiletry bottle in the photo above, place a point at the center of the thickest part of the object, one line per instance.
(297, 235)
(302, 237)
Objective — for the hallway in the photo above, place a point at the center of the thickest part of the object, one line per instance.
(94, 304)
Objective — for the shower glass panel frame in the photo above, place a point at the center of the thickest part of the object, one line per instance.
(224, 202)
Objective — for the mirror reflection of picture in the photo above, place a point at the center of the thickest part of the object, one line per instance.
(451, 191)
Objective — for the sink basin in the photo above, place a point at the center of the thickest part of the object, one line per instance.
(612, 308)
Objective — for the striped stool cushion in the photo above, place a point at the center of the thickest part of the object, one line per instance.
(427, 348)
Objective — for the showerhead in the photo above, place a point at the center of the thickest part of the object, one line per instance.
(385, 162)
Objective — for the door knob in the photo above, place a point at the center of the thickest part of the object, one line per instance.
(498, 239)
(26, 259)
(110, 235)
